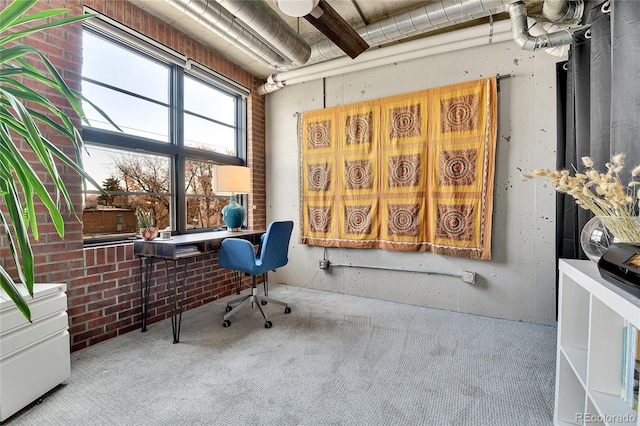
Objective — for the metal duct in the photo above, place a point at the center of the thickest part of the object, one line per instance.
(263, 20)
(571, 14)
(449, 12)
(281, 48)
(466, 38)
(420, 20)
(521, 36)
(562, 11)
(224, 24)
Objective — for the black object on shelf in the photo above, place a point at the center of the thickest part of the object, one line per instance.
(620, 265)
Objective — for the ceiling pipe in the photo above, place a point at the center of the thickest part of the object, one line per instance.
(522, 37)
(441, 43)
(443, 13)
(423, 19)
(538, 28)
(278, 46)
(211, 15)
(563, 11)
(265, 22)
(407, 56)
(571, 15)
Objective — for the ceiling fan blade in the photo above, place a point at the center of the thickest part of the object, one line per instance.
(332, 25)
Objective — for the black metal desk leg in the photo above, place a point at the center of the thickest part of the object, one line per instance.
(176, 309)
(146, 268)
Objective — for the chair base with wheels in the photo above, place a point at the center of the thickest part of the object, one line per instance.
(239, 255)
(256, 300)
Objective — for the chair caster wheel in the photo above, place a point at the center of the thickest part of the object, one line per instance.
(287, 310)
(263, 302)
(229, 308)
(226, 323)
(268, 324)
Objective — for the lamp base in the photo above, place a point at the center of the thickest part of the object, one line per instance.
(233, 214)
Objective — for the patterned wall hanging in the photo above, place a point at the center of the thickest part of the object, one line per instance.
(411, 172)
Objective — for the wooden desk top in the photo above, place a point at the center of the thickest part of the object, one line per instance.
(189, 245)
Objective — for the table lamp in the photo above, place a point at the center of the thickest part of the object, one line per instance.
(232, 180)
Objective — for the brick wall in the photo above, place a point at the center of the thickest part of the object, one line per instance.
(103, 284)
(105, 302)
(105, 220)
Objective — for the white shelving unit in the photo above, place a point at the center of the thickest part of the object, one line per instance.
(591, 319)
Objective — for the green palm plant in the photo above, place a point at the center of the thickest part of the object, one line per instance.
(23, 110)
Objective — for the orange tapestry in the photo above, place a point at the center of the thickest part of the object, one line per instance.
(411, 172)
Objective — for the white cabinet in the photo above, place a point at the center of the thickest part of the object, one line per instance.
(591, 322)
(34, 357)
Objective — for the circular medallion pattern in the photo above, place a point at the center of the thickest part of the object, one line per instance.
(454, 222)
(318, 135)
(357, 175)
(403, 172)
(358, 130)
(319, 219)
(319, 177)
(457, 168)
(402, 220)
(459, 113)
(357, 221)
(404, 121)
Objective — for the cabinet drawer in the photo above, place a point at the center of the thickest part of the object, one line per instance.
(30, 373)
(19, 337)
(47, 299)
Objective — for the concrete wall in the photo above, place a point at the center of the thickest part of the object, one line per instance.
(518, 283)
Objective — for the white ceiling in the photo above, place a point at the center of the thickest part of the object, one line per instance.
(372, 11)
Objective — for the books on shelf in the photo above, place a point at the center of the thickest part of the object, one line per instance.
(636, 377)
(187, 248)
(630, 371)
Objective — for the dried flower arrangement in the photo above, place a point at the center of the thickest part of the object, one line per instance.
(604, 194)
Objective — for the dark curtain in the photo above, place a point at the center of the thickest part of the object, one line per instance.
(598, 104)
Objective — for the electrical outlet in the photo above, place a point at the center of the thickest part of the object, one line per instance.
(469, 277)
(324, 264)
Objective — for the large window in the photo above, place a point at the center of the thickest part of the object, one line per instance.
(176, 122)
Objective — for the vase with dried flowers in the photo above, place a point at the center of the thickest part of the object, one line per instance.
(614, 203)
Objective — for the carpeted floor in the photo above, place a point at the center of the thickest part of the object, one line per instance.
(335, 360)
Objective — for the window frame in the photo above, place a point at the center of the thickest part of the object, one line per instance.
(179, 67)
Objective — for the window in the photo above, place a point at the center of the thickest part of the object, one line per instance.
(204, 210)
(209, 118)
(177, 121)
(132, 88)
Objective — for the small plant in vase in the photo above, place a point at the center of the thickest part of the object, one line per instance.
(145, 222)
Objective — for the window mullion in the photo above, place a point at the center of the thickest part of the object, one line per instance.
(241, 129)
(177, 131)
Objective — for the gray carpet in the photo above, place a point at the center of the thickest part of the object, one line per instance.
(335, 360)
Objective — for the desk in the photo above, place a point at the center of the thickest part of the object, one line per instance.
(178, 247)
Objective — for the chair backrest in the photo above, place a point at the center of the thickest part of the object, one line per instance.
(275, 245)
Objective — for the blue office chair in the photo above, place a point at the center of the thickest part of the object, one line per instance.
(239, 255)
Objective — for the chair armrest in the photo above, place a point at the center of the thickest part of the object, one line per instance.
(237, 254)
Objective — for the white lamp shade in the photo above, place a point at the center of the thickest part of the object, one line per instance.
(231, 180)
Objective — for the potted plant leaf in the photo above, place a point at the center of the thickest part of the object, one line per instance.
(23, 110)
(146, 224)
